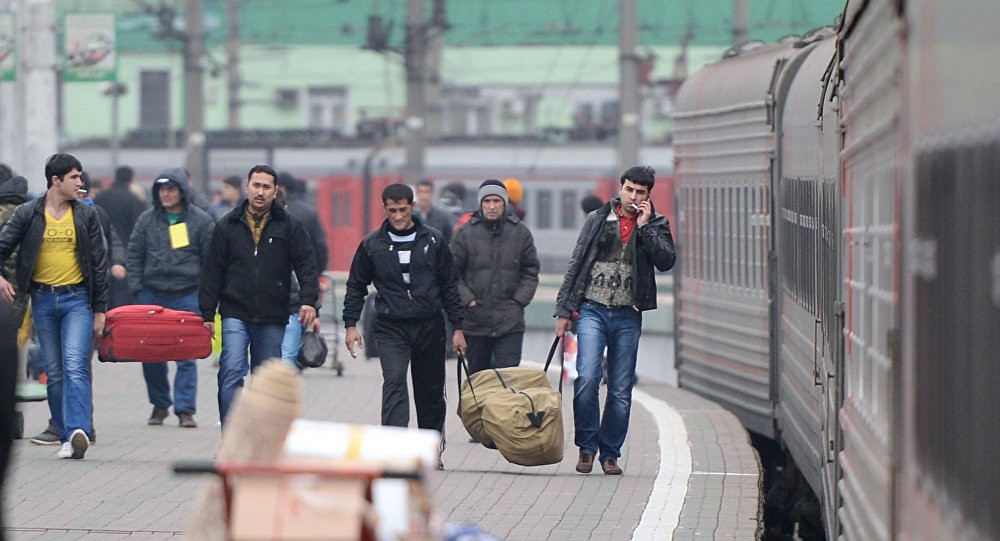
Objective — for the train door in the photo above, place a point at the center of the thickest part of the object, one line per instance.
(338, 204)
(341, 202)
(830, 300)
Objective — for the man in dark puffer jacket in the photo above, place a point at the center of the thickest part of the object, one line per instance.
(498, 274)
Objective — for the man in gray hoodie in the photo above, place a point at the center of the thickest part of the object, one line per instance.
(165, 255)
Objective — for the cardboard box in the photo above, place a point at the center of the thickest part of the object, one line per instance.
(396, 448)
(297, 507)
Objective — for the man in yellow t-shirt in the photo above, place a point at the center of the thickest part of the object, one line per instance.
(63, 264)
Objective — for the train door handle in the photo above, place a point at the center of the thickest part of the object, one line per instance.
(817, 347)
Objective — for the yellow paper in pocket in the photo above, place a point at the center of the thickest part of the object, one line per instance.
(179, 236)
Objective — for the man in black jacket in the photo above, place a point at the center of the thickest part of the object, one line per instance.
(123, 208)
(165, 255)
(246, 277)
(497, 277)
(610, 282)
(414, 276)
(13, 192)
(63, 263)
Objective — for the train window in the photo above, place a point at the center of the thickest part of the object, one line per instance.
(741, 235)
(697, 231)
(713, 234)
(341, 210)
(706, 233)
(543, 216)
(726, 235)
(759, 237)
(569, 208)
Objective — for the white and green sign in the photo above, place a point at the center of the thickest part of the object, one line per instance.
(8, 47)
(90, 53)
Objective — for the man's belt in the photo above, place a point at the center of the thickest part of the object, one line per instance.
(55, 289)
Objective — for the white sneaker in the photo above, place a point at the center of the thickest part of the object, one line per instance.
(79, 442)
(66, 451)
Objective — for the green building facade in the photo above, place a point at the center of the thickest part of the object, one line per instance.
(508, 67)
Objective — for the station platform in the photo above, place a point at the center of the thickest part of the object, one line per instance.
(690, 471)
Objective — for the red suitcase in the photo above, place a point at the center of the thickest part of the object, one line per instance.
(151, 333)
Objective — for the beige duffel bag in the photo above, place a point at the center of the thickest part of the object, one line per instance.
(514, 410)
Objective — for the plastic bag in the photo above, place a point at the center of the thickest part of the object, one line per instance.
(312, 352)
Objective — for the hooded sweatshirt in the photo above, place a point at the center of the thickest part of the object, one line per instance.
(166, 258)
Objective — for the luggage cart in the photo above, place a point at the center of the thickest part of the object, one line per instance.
(232, 473)
(330, 323)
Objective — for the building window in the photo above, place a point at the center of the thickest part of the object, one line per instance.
(154, 99)
(327, 108)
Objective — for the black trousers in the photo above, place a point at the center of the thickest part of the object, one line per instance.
(419, 343)
(494, 351)
(9, 323)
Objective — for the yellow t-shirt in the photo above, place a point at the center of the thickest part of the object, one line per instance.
(56, 264)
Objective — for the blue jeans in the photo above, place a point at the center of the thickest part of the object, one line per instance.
(186, 380)
(64, 327)
(292, 341)
(264, 342)
(618, 329)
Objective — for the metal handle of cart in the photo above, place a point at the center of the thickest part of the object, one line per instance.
(331, 323)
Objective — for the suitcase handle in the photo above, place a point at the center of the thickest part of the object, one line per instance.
(165, 341)
(463, 366)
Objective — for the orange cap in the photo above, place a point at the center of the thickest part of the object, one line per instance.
(514, 190)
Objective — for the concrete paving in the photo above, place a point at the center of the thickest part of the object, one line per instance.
(690, 471)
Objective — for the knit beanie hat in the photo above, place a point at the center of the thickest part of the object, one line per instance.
(493, 187)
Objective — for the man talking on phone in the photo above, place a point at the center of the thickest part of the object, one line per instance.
(609, 282)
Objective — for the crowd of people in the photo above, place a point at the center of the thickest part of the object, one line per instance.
(444, 279)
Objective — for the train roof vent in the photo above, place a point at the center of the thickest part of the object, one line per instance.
(743, 48)
(816, 35)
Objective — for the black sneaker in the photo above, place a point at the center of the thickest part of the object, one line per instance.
(46, 438)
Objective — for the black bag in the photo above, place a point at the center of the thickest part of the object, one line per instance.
(312, 352)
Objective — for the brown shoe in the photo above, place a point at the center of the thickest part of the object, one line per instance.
(611, 467)
(586, 463)
(187, 420)
(159, 414)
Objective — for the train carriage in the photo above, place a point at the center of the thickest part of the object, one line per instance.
(723, 148)
(807, 225)
(877, 154)
(946, 486)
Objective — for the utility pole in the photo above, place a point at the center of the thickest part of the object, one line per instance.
(36, 89)
(435, 51)
(628, 84)
(416, 70)
(233, 61)
(741, 22)
(10, 124)
(194, 97)
(115, 91)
